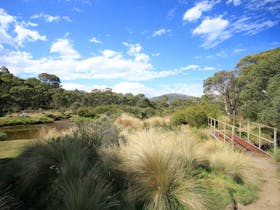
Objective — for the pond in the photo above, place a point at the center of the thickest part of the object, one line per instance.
(18, 132)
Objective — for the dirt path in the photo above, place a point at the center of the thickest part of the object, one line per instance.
(270, 195)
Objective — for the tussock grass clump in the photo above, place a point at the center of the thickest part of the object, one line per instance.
(223, 159)
(158, 167)
(156, 122)
(91, 166)
(63, 172)
(127, 122)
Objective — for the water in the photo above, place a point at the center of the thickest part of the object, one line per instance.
(18, 132)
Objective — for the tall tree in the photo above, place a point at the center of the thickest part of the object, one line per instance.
(4, 69)
(50, 79)
(225, 84)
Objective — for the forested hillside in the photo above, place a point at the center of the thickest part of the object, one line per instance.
(45, 93)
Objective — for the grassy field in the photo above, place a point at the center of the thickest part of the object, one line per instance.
(10, 149)
(134, 164)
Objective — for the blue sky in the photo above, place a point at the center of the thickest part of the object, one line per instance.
(148, 46)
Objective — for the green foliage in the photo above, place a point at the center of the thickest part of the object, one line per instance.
(226, 84)
(93, 167)
(115, 110)
(3, 136)
(259, 76)
(277, 155)
(45, 93)
(65, 172)
(195, 116)
(50, 79)
(23, 120)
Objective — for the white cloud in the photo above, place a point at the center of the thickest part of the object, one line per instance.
(198, 68)
(250, 27)
(213, 30)
(195, 12)
(238, 50)
(235, 2)
(50, 18)
(155, 54)
(9, 25)
(132, 87)
(137, 87)
(95, 40)
(74, 86)
(161, 32)
(24, 34)
(65, 49)
(109, 64)
(135, 51)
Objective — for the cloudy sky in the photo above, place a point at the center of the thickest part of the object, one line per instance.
(139, 46)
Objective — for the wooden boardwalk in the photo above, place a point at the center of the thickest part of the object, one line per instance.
(231, 134)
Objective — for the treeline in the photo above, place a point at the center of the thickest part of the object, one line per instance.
(252, 89)
(17, 94)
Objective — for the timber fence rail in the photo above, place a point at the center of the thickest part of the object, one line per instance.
(249, 136)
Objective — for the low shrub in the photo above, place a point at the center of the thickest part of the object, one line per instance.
(3, 136)
(195, 116)
(63, 172)
(4, 121)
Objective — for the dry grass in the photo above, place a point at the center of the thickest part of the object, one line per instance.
(11, 149)
(223, 159)
(156, 122)
(46, 134)
(126, 121)
(158, 166)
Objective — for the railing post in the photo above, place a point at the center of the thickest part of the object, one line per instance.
(214, 127)
(240, 126)
(232, 133)
(259, 136)
(275, 141)
(224, 132)
(248, 132)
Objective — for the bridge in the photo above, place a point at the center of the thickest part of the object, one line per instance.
(247, 136)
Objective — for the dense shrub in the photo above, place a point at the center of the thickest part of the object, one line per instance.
(63, 173)
(86, 112)
(3, 136)
(195, 116)
(115, 110)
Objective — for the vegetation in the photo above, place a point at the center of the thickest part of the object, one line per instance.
(93, 167)
(45, 93)
(195, 116)
(23, 120)
(11, 149)
(145, 159)
(252, 90)
(3, 136)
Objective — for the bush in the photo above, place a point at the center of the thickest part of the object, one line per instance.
(158, 169)
(3, 136)
(195, 116)
(179, 118)
(86, 112)
(63, 172)
(23, 120)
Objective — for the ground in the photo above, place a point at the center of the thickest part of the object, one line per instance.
(270, 194)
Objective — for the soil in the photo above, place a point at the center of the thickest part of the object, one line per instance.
(270, 191)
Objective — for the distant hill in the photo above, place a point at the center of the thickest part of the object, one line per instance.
(170, 97)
